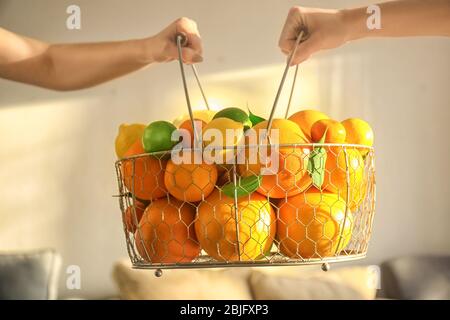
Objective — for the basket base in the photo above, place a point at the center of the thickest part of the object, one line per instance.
(271, 261)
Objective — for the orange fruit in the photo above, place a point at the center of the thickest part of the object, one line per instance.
(130, 220)
(148, 182)
(358, 132)
(305, 120)
(313, 225)
(216, 227)
(187, 125)
(286, 175)
(190, 181)
(335, 179)
(166, 232)
(335, 131)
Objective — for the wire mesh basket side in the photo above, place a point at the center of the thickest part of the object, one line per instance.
(304, 226)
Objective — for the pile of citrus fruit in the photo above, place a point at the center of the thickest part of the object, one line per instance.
(234, 185)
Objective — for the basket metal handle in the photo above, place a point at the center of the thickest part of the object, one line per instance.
(182, 41)
(283, 79)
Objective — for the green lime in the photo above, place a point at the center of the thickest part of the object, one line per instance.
(235, 114)
(158, 136)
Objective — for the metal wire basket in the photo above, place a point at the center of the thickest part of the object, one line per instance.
(178, 215)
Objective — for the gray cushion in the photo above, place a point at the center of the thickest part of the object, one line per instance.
(420, 277)
(32, 275)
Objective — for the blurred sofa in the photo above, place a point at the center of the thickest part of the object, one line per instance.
(415, 277)
(34, 275)
(258, 283)
(31, 275)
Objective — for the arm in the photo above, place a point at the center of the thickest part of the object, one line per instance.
(77, 66)
(328, 29)
(404, 18)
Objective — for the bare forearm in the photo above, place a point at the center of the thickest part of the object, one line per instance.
(401, 18)
(77, 66)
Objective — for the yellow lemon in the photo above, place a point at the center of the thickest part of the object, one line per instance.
(358, 132)
(219, 137)
(127, 136)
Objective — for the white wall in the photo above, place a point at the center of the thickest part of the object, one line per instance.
(56, 149)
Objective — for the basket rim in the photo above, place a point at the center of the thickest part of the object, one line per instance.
(161, 154)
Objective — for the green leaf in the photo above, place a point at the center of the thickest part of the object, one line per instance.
(254, 119)
(316, 164)
(245, 186)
